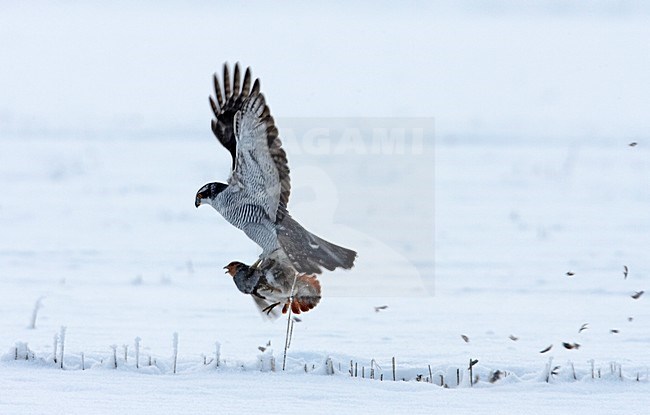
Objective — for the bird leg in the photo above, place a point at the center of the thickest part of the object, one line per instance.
(269, 308)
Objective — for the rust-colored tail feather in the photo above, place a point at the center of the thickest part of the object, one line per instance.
(307, 294)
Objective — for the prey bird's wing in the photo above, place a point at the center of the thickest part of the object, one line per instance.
(261, 167)
(225, 104)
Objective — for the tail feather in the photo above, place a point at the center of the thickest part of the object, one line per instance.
(308, 252)
(307, 295)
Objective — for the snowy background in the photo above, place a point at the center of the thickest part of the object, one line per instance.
(528, 175)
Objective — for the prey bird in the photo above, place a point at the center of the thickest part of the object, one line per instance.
(256, 195)
(273, 284)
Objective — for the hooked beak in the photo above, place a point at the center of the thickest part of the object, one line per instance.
(226, 268)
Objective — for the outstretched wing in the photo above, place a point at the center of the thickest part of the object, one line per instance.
(265, 140)
(255, 170)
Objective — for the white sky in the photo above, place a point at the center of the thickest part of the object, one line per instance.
(487, 69)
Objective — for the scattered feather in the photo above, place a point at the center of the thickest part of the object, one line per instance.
(630, 318)
(496, 375)
(465, 338)
(513, 337)
(614, 331)
(570, 345)
(633, 144)
(637, 294)
(625, 270)
(472, 362)
(570, 273)
(381, 307)
(297, 320)
(583, 327)
(547, 349)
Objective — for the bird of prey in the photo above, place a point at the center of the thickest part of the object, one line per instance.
(273, 284)
(256, 195)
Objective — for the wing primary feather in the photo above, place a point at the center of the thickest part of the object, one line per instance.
(245, 90)
(236, 121)
(226, 82)
(215, 108)
(256, 87)
(217, 90)
(235, 86)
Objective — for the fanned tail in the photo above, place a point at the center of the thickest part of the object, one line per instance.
(307, 252)
(307, 295)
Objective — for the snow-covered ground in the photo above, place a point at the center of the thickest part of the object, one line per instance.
(472, 233)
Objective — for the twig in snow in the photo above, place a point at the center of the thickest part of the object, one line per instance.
(175, 346)
(37, 306)
(472, 362)
(287, 340)
(137, 352)
(290, 334)
(54, 345)
(62, 338)
(114, 348)
(329, 366)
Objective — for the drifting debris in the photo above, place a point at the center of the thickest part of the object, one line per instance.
(583, 327)
(496, 375)
(630, 318)
(513, 337)
(263, 348)
(614, 331)
(570, 345)
(625, 271)
(570, 273)
(465, 338)
(547, 349)
(379, 308)
(637, 294)
(296, 319)
(633, 144)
